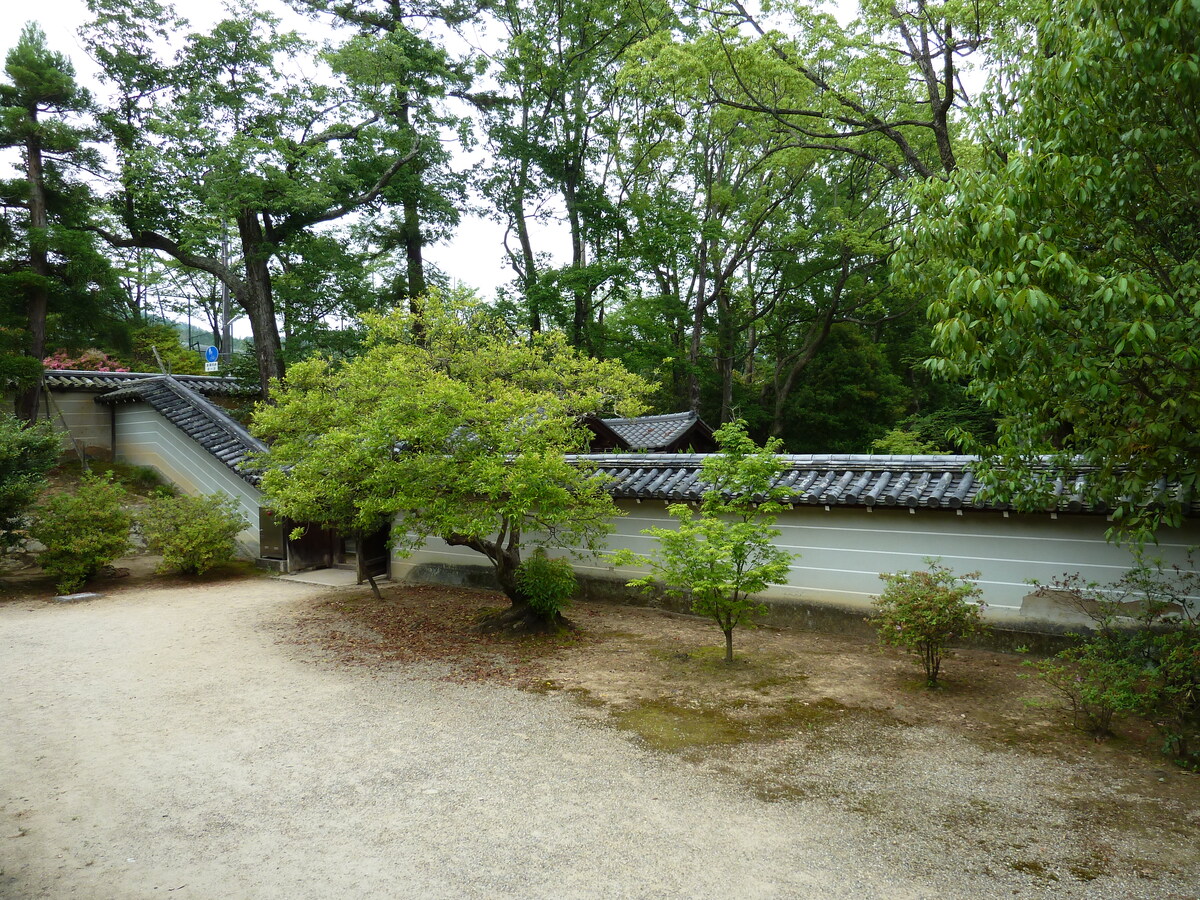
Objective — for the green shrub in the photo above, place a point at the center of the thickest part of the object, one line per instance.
(26, 454)
(193, 534)
(1172, 697)
(546, 583)
(82, 532)
(178, 359)
(1098, 680)
(1143, 657)
(924, 612)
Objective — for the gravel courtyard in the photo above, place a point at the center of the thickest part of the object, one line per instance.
(172, 742)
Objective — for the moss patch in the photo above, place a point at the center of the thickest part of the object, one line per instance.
(674, 727)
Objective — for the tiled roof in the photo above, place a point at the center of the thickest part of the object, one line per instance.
(927, 482)
(651, 433)
(208, 425)
(70, 379)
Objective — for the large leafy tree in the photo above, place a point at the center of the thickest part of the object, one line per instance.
(235, 138)
(399, 55)
(883, 87)
(551, 129)
(1065, 271)
(460, 431)
(49, 270)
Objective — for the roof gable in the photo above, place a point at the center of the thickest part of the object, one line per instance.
(672, 432)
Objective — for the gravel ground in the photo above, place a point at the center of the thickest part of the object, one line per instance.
(165, 742)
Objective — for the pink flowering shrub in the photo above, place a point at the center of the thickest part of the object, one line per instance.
(90, 360)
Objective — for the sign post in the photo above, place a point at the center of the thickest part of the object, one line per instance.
(210, 359)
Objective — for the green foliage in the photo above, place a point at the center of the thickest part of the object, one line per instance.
(924, 612)
(82, 532)
(27, 453)
(1098, 679)
(1172, 699)
(55, 285)
(720, 558)
(451, 423)
(17, 372)
(1143, 656)
(899, 442)
(547, 583)
(177, 359)
(193, 534)
(849, 397)
(1064, 271)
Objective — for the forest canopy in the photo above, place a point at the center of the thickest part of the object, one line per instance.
(777, 217)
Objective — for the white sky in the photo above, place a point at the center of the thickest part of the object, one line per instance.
(474, 257)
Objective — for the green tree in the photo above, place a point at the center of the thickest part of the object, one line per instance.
(459, 430)
(398, 54)
(1065, 270)
(48, 268)
(551, 128)
(26, 454)
(884, 87)
(720, 557)
(234, 138)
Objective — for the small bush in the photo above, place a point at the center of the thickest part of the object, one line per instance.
(193, 534)
(90, 360)
(82, 532)
(1172, 697)
(1098, 680)
(546, 583)
(1143, 657)
(924, 612)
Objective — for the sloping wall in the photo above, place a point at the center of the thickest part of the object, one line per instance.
(145, 438)
(840, 554)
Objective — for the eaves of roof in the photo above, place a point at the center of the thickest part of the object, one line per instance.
(75, 380)
(851, 480)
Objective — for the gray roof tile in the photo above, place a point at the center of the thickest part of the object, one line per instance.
(208, 385)
(926, 482)
(650, 433)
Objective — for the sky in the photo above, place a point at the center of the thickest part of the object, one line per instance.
(472, 258)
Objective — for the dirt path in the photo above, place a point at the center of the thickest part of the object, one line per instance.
(179, 743)
(165, 743)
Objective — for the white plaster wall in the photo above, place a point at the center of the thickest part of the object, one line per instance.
(86, 420)
(145, 438)
(839, 554)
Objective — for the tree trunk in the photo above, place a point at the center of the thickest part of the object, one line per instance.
(697, 336)
(413, 253)
(725, 353)
(728, 645)
(581, 320)
(505, 556)
(256, 298)
(38, 297)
